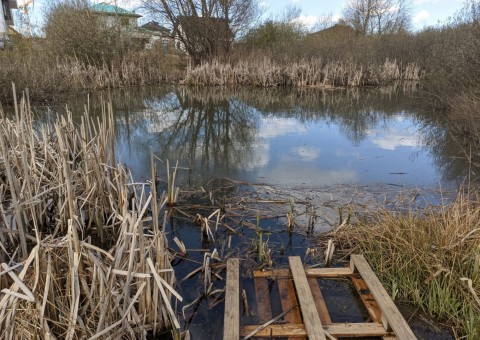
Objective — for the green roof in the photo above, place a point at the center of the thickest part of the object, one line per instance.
(104, 8)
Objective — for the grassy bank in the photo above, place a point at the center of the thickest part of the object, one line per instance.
(72, 235)
(430, 259)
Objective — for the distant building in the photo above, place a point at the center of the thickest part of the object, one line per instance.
(115, 16)
(7, 18)
(157, 35)
(337, 31)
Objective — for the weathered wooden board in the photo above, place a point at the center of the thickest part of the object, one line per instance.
(310, 272)
(231, 324)
(262, 294)
(368, 300)
(335, 329)
(288, 300)
(311, 320)
(319, 301)
(391, 316)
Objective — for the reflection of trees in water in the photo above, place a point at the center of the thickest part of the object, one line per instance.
(206, 129)
(214, 131)
(454, 154)
(216, 127)
(355, 111)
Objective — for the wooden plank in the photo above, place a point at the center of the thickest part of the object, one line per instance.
(311, 272)
(328, 272)
(288, 300)
(312, 322)
(231, 324)
(319, 301)
(390, 312)
(263, 300)
(367, 298)
(295, 331)
(334, 329)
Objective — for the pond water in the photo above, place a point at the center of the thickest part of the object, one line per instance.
(287, 139)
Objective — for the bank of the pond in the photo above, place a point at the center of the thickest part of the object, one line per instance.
(430, 258)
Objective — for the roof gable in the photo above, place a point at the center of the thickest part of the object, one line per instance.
(106, 9)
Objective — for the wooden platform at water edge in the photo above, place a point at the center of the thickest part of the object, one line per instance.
(305, 314)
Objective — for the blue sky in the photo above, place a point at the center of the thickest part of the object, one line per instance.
(424, 12)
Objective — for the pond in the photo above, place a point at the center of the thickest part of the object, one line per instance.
(329, 141)
(305, 138)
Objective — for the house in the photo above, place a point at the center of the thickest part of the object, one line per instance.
(6, 17)
(115, 16)
(158, 35)
(337, 31)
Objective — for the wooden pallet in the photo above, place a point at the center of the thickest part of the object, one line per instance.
(299, 286)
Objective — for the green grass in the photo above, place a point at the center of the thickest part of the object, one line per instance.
(430, 259)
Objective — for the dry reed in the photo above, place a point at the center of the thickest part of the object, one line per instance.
(80, 256)
(315, 72)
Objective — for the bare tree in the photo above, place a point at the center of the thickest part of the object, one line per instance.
(378, 16)
(205, 28)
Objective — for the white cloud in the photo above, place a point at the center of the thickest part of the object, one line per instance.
(307, 20)
(306, 153)
(264, 4)
(421, 16)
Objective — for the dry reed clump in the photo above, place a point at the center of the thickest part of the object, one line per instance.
(431, 259)
(49, 78)
(315, 72)
(63, 200)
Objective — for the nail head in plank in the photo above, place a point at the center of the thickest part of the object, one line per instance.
(389, 311)
(231, 325)
(312, 322)
(263, 300)
(335, 329)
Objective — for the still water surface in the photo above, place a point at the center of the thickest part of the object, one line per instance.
(286, 138)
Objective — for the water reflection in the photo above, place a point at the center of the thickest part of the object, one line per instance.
(290, 138)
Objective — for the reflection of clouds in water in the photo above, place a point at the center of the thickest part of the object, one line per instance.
(275, 127)
(270, 128)
(390, 140)
(260, 156)
(306, 153)
(393, 141)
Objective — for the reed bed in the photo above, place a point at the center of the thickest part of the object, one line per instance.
(431, 259)
(81, 255)
(49, 78)
(267, 73)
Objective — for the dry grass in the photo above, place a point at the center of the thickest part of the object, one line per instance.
(81, 256)
(431, 259)
(49, 78)
(267, 73)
